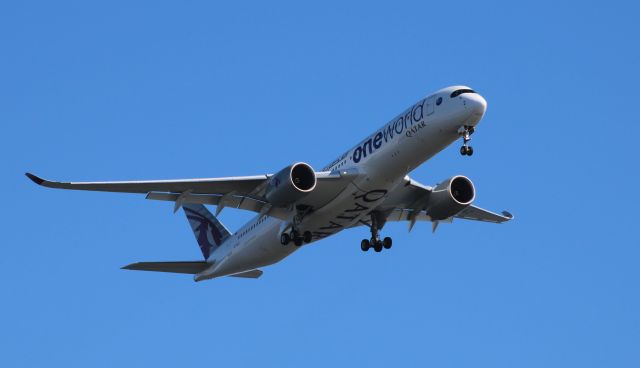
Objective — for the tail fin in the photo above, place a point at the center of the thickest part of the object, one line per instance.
(209, 232)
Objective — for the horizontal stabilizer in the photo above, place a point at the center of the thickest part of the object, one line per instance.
(253, 274)
(188, 267)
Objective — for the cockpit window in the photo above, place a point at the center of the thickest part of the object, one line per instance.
(458, 92)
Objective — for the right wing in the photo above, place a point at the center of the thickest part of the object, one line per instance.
(242, 192)
(243, 185)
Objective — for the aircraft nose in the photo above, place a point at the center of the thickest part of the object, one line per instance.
(476, 105)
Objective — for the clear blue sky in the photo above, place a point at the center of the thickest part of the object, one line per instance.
(196, 89)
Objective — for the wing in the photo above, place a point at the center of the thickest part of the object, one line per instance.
(243, 192)
(479, 214)
(407, 203)
(243, 185)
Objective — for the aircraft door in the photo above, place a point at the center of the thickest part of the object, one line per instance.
(430, 105)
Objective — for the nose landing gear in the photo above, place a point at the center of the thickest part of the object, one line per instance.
(465, 132)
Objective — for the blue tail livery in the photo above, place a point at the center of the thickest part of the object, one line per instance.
(209, 232)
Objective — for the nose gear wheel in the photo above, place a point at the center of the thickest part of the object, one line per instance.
(466, 149)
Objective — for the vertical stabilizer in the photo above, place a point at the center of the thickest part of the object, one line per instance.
(210, 233)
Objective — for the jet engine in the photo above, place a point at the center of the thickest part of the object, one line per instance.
(450, 197)
(291, 184)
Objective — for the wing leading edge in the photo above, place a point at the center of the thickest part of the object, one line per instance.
(243, 185)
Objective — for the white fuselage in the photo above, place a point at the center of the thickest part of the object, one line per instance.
(382, 160)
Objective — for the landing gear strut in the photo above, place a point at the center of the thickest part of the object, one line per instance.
(375, 241)
(466, 149)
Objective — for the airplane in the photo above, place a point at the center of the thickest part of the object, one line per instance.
(366, 186)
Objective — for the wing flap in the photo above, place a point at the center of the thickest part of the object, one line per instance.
(188, 267)
(234, 201)
(241, 202)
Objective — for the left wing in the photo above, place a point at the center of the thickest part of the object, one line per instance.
(476, 213)
(470, 213)
(407, 203)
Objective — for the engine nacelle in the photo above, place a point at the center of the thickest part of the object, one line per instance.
(291, 184)
(450, 197)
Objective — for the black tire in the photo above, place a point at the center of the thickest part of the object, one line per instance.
(298, 241)
(463, 150)
(307, 236)
(469, 151)
(365, 245)
(387, 242)
(378, 247)
(285, 239)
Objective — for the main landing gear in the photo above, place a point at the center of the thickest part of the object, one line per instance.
(298, 239)
(376, 244)
(375, 241)
(294, 235)
(466, 149)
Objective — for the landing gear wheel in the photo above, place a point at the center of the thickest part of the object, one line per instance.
(377, 246)
(365, 245)
(387, 242)
(298, 241)
(307, 236)
(465, 132)
(285, 239)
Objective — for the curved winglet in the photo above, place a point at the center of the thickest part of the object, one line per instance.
(36, 179)
(507, 214)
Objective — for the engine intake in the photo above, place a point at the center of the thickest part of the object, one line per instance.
(291, 184)
(450, 197)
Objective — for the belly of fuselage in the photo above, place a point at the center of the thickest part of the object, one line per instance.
(384, 171)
